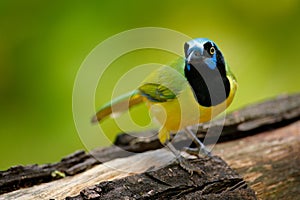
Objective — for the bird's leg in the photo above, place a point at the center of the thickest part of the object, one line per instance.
(173, 150)
(201, 149)
(182, 161)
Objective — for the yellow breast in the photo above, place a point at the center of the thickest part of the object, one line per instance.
(185, 111)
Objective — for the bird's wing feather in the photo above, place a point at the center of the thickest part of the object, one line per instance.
(165, 83)
(157, 92)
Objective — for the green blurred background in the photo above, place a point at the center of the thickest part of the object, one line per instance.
(43, 43)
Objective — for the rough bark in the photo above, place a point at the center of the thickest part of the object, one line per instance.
(148, 175)
(172, 182)
(269, 162)
(257, 118)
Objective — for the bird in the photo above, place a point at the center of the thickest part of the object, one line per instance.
(193, 89)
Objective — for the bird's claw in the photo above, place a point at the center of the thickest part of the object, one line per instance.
(186, 165)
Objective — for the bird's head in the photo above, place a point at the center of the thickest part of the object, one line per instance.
(204, 53)
(205, 71)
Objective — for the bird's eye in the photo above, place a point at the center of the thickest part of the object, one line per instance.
(212, 50)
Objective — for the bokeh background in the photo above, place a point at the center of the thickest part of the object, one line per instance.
(43, 43)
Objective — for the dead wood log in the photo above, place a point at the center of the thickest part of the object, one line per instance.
(148, 175)
(269, 162)
(172, 182)
(254, 119)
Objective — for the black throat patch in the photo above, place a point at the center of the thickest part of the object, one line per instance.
(210, 87)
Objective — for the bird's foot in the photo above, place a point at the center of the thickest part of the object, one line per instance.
(183, 162)
(186, 165)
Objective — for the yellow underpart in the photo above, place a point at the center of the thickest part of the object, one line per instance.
(185, 111)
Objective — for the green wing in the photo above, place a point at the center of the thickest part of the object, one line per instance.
(156, 92)
(165, 83)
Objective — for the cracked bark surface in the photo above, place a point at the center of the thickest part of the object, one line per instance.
(270, 177)
(172, 182)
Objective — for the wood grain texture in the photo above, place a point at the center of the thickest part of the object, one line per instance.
(261, 142)
(172, 182)
(72, 185)
(156, 176)
(269, 162)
